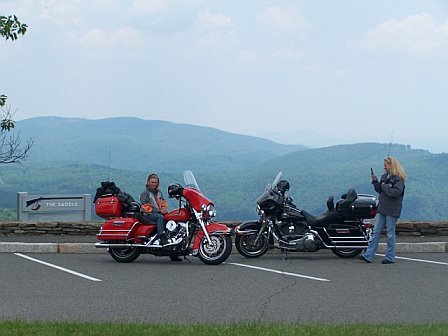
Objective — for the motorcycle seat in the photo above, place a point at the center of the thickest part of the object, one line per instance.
(346, 199)
(322, 220)
(142, 219)
(330, 203)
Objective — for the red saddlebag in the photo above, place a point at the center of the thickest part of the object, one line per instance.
(108, 207)
(123, 229)
(116, 229)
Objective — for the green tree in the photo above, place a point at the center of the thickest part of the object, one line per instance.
(11, 149)
(10, 28)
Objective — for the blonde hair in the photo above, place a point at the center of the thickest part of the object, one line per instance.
(396, 169)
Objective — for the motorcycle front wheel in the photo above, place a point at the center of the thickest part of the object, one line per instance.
(346, 253)
(125, 254)
(249, 247)
(216, 252)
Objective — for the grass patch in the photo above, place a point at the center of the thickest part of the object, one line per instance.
(19, 328)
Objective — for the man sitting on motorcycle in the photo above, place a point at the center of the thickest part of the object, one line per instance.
(153, 206)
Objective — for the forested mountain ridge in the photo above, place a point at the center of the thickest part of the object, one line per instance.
(136, 144)
(314, 174)
(332, 170)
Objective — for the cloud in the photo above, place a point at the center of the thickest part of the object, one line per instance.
(249, 56)
(215, 21)
(215, 30)
(103, 39)
(415, 33)
(62, 13)
(147, 7)
(280, 18)
(326, 71)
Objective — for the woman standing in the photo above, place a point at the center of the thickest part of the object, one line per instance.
(391, 191)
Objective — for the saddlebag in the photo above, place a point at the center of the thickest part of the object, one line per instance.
(345, 235)
(122, 229)
(108, 206)
(363, 207)
(116, 229)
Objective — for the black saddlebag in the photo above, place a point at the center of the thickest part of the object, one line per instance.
(363, 207)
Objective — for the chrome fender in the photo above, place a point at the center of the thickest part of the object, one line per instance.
(249, 227)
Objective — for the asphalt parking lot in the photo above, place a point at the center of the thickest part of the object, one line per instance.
(314, 287)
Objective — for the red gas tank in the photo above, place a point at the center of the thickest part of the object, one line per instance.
(177, 215)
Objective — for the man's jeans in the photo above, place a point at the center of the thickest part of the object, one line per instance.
(158, 219)
(390, 223)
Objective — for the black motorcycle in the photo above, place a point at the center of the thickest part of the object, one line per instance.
(283, 225)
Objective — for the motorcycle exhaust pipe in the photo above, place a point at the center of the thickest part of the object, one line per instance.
(107, 245)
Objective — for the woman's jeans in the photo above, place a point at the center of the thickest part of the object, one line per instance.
(390, 223)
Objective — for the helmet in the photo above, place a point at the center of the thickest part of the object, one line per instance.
(283, 186)
(175, 190)
(134, 206)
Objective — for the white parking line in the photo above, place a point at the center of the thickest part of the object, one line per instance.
(278, 272)
(58, 267)
(420, 260)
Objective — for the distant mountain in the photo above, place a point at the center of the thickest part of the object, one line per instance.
(314, 174)
(149, 145)
(317, 173)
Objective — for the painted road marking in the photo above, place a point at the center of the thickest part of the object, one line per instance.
(58, 267)
(420, 260)
(278, 272)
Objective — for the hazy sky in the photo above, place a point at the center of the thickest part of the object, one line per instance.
(313, 72)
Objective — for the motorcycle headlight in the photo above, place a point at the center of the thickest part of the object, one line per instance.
(209, 211)
(259, 211)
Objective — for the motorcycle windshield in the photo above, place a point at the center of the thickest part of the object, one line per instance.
(271, 199)
(192, 193)
(276, 180)
(190, 181)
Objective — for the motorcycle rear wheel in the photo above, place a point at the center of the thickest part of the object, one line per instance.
(217, 252)
(247, 247)
(346, 253)
(126, 254)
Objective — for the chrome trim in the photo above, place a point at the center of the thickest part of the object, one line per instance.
(202, 224)
(218, 233)
(245, 232)
(112, 235)
(351, 237)
(350, 242)
(355, 247)
(316, 234)
(119, 245)
(116, 232)
(361, 247)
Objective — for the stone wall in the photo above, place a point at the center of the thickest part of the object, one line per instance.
(56, 228)
(414, 228)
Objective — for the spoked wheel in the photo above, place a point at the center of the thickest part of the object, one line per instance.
(216, 252)
(346, 253)
(249, 247)
(125, 254)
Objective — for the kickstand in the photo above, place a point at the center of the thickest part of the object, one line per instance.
(284, 253)
(185, 258)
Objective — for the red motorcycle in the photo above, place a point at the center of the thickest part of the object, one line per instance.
(189, 228)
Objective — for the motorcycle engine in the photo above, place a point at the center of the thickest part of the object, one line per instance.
(308, 243)
(290, 229)
(176, 232)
